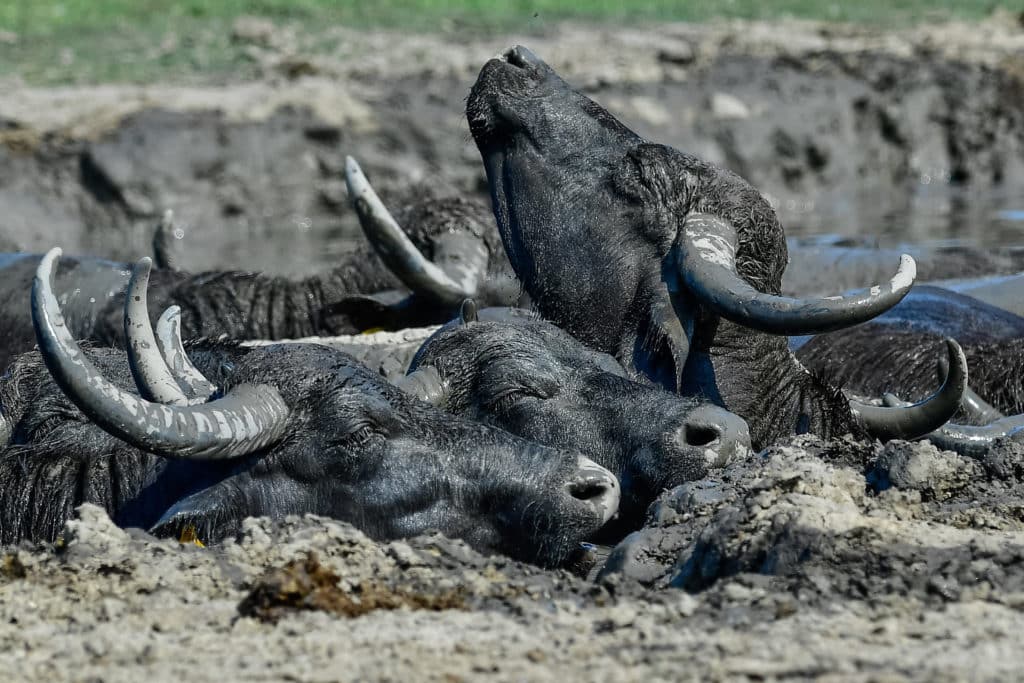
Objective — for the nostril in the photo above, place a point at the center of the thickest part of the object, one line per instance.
(588, 490)
(519, 56)
(720, 435)
(701, 435)
(595, 486)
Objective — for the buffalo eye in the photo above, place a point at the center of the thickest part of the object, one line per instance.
(505, 400)
(359, 435)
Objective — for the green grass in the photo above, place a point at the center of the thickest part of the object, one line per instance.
(138, 40)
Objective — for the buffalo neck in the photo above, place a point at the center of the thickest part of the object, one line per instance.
(757, 377)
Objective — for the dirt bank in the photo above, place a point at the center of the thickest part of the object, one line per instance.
(912, 134)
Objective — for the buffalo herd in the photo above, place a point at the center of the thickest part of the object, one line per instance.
(618, 322)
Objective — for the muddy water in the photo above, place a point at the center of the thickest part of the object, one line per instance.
(903, 150)
(940, 214)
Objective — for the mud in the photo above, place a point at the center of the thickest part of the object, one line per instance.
(792, 564)
(906, 135)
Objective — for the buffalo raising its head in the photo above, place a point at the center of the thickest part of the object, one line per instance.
(663, 260)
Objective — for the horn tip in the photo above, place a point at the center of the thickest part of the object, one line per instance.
(352, 167)
(45, 268)
(355, 180)
(468, 311)
(53, 254)
(905, 274)
(956, 354)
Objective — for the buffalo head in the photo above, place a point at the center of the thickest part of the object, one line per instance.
(515, 371)
(667, 262)
(291, 429)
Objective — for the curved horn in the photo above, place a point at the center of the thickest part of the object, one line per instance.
(915, 420)
(425, 384)
(973, 406)
(197, 388)
(166, 247)
(400, 255)
(152, 376)
(707, 263)
(6, 429)
(247, 419)
(970, 440)
(974, 441)
(978, 408)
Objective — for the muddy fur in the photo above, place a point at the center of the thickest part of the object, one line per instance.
(355, 448)
(898, 351)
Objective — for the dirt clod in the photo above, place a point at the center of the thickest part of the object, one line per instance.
(308, 585)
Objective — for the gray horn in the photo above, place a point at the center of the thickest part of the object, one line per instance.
(466, 259)
(425, 384)
(707, 264)
(978, 409)
(152, 376)
(467, 312)
(167, 243)
(197, 388)
(6, 429)
(247, 419)
(970, 440)
(914, 420)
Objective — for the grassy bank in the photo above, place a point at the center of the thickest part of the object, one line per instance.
(48, 41)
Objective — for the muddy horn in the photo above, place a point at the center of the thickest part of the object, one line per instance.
(197, 388)
(149, 369)
(245, 420)
(707, 263)
(166, 243)
(970, 440)
(913, 421)
(467, 262)
(425, 384)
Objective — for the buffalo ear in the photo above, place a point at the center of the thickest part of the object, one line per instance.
(663, 341)
(662, 344)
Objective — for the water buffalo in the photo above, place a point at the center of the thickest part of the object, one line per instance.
(515, 371)
(895, 353)
(667, 262)
(288, 429)
(358, 294)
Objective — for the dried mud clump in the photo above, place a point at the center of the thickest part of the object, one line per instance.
(11, 567)
(308, 585)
